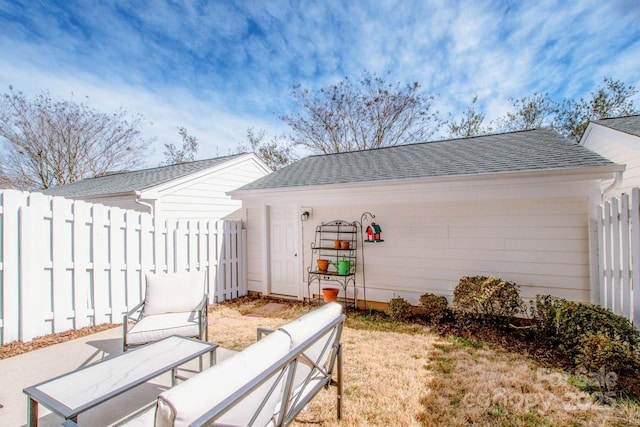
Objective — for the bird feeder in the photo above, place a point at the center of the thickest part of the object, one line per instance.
(374, 233)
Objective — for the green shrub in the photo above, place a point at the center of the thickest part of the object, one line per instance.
(574, 321)
(482, 296)
(436, 307)
(610, 367)
(600, 353)
(399, 309)
(602, 345)
(543, 312)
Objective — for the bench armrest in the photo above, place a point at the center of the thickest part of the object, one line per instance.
(262, 332)
(202, 305)
(203, 312)
(134, 310)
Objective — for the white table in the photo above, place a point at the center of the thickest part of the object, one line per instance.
(73, 393)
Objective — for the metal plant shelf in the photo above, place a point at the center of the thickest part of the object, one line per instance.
(329, 232)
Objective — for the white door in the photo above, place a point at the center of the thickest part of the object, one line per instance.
(283, 232)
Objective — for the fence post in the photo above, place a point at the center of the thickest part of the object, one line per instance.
(81, 264)
(117, 278)
(635, 254)
(35, 291)
(11, 201)
(61, 263)
(148, 251)
(594, 256)
(212, 260)
(625, 272)
(243, 261)
(100, 265)
(132, 258)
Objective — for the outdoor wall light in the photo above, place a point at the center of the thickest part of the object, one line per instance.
(306, 214)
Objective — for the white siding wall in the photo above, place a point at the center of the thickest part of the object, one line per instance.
(540, 244)
(206, 198)
(535, 234)
(618, 147)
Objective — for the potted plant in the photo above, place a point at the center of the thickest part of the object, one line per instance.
(323, 264)
(330, 294)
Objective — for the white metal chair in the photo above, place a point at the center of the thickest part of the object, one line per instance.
(174, 304)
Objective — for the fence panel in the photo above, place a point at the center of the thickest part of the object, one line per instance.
(635, 255)
(618, 227)
(68, 264)
(10, 322)
(82, 294)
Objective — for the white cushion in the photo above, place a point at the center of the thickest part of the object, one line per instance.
(304, 328)
(159, 326)
(173, 292)
(191, 399)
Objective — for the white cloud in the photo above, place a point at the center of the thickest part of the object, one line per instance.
(219, 67)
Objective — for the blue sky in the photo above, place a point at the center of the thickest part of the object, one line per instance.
(218, 67)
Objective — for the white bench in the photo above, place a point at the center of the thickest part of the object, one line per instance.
(267, 384)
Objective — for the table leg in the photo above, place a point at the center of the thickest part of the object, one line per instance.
(174, 373)
(32, 413)
(212, 358)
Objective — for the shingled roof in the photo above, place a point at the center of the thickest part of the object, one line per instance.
(628, 124)
(124, 182)
(530, 150)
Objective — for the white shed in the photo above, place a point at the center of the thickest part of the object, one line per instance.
(617, 139)
(514, 205)
(186, 190)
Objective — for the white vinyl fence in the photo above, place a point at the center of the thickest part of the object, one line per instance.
(67, 264)
(618, 253)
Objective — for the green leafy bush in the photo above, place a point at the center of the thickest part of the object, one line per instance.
(399, 309)
(610, 367)
(573, 321)
(482, 296)
(436, 307)
(543, 312)
(603, 354)
(603, 346)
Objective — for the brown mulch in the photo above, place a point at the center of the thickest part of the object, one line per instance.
(15, 348)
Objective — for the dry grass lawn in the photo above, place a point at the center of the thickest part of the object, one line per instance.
(406, 375)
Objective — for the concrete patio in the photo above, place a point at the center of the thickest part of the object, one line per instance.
(19, 372)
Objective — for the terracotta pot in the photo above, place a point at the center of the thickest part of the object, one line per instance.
(330, 294)
(336, 244)
(344, 244)
(323, 264)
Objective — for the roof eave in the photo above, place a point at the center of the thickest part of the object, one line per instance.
(591, 172)
(153, 191)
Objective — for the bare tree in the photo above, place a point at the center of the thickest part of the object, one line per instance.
(470, 124)
(187, 153)
(276, 153)
(50, 142)
(569, 117)
(529, 112)
(611, 99)
(370, 114)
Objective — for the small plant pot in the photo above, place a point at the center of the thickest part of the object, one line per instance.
(330, 294)
(336, 244)
(344, 244)
(323, 264)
